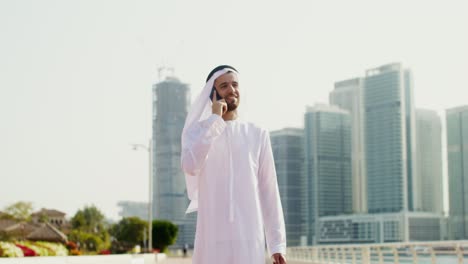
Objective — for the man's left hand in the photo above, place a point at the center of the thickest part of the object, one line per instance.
(278, 258)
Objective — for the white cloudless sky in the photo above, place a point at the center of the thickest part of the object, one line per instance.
(76, 76)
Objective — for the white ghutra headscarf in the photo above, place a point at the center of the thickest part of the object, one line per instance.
(200, 110)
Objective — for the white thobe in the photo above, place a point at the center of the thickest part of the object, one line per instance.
(238, 198)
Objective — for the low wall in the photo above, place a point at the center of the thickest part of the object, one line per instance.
(100, 259)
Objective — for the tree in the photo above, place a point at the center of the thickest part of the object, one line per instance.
(89, 229)
(89, 220)
(164, 234)
(20, 210)
(130, 229)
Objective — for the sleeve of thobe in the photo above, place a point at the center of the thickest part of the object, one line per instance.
(200, 137)
(272, 210)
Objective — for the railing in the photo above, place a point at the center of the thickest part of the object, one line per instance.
(440, 252)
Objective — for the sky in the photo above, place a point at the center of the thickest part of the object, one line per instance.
(76, 77)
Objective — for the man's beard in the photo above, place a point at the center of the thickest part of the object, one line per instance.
(231, 106)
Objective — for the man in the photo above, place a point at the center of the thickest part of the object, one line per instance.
(231, 178)
(184, 250)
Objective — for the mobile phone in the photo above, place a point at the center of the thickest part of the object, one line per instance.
(218, 97)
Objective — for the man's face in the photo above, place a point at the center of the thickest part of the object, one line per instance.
(227, 86)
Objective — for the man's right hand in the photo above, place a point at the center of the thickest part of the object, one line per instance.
(278, 258)
(218, 107)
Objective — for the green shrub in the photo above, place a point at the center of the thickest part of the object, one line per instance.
(164, 234)
(88, 241)
(130, 230)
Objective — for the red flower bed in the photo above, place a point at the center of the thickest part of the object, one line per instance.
(104, 252)
(27, 252)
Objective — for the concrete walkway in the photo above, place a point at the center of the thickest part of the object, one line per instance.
(189, 261)
(177, 261)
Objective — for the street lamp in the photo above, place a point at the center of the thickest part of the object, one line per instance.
(149, 149)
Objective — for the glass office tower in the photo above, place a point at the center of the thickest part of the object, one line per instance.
(348, 95)
(288, 151)
(390, 139)
(327, 132)
(428, 181)
(457, 152)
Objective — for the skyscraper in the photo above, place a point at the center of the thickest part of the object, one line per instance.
(457, 151)
(389, 129)
(428, 186)
(170, 104)
(288, 151)
(328, 163)
(348, 95)
(403, 202)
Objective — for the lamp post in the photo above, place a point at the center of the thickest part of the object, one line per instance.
(149, 149)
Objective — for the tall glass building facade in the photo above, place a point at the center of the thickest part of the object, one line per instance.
(390, 139)
(171, 99)
(428, 187)
(288, 152)
(401, 167)
(327, 138)
(457, 151)
(348, 95)
(410, 120)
